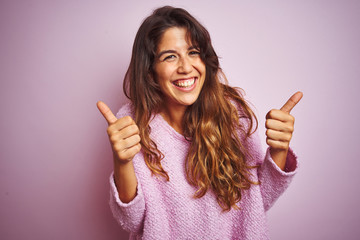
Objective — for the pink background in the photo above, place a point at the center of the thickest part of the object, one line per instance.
(57, 59)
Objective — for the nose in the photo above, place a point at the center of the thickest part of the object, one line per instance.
(185, 65)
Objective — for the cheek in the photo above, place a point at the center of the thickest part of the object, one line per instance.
(162, 78)
(163, 73)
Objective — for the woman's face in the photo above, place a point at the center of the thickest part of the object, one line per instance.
(179, 69)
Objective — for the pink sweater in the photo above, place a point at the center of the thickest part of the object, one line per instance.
(167, 210)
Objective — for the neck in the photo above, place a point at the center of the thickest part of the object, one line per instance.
(174, 116)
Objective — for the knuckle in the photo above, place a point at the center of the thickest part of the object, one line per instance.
(117, 148)
(139, 147)
(291, 128)
(267, 123)
(134, 128)
(127, 120)
(268, 132)
(292, 118)
(109, 131)
(289, 136)
(274, 112)
(112, 138)
(270, 114)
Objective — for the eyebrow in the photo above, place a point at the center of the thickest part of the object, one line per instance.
(173, 51)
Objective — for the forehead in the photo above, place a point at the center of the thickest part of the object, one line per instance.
(174, 38)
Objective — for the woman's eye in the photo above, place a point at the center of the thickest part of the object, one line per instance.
(194, 53)
(169, 57)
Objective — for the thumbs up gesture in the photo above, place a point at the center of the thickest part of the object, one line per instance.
(123, 134)
(280, 126)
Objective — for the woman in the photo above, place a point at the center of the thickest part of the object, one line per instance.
(187, 163)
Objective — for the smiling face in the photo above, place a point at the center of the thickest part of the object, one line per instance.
(179, 69)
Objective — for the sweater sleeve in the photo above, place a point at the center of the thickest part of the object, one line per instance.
(273, 180)
(129, 215)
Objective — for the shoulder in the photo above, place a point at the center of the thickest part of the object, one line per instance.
(126, 110)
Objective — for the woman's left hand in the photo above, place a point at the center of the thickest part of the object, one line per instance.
(280, 126)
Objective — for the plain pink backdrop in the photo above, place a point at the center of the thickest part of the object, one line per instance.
(58, 58)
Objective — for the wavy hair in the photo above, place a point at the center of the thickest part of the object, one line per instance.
(217, 159)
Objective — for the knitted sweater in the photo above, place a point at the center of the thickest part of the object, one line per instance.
(167, 209)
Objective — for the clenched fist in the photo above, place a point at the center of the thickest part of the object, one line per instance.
(123, 134)
(280, 126)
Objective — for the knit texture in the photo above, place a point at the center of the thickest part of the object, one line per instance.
(168, 210)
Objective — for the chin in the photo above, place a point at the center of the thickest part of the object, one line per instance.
(188, 102)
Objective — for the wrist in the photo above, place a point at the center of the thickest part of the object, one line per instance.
(120, 162)
(279, 157)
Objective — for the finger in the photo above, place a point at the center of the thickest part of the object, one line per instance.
(106, 112)
(293, 100)
(278, 125)
(124, 133)
(278, 136)
(130, 152)
(279, 145)
(280, 115)
(120, 124)
(127, 143)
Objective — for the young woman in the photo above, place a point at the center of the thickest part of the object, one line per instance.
(187, 160)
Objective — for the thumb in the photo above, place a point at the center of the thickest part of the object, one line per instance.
(106, 112)
(293, 100)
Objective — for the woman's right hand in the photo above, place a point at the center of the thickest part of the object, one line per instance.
(123, 135)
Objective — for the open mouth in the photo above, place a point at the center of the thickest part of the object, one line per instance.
(185, 83)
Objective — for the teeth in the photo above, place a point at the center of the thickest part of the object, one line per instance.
(185, 83)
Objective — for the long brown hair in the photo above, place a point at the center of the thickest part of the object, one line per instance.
(217, 158)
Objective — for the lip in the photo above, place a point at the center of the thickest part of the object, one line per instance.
(186, 89)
